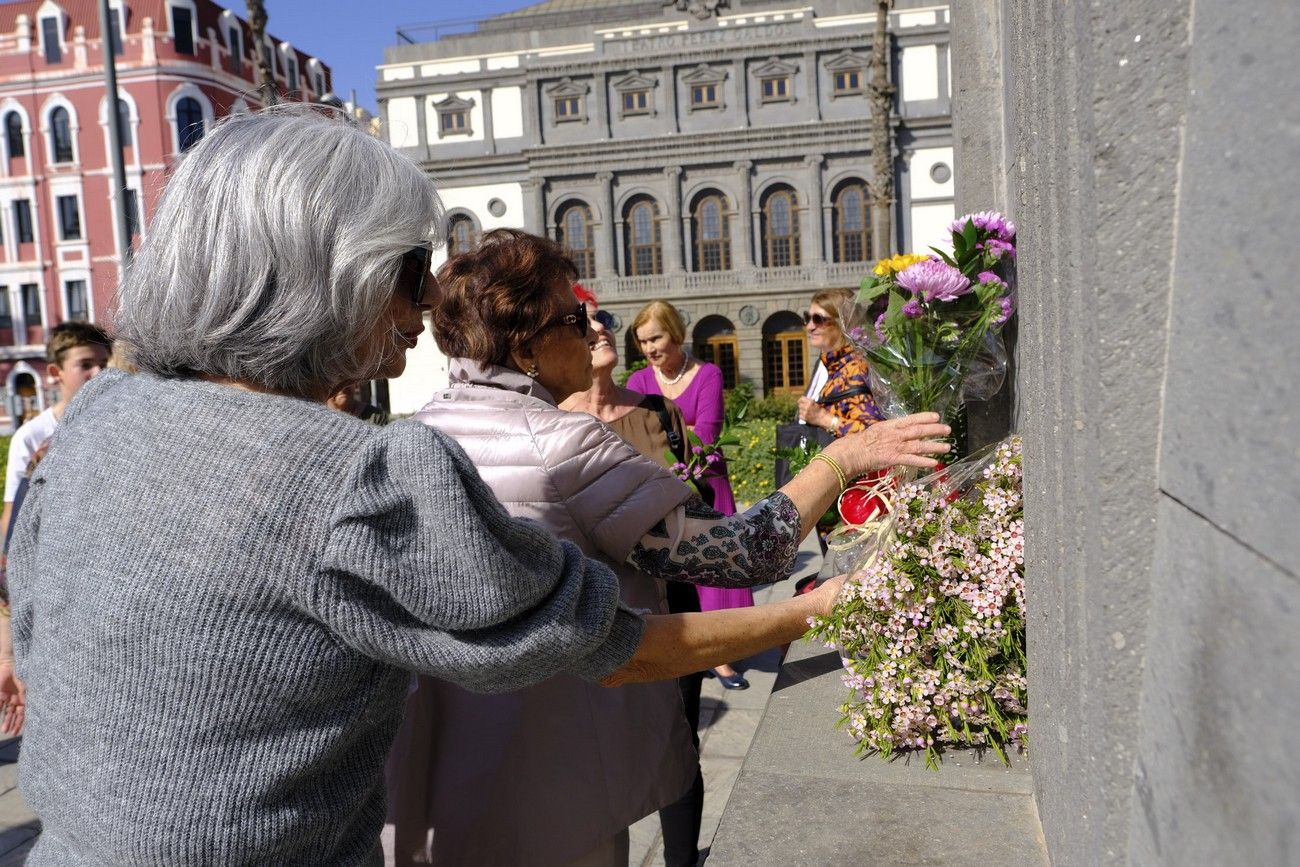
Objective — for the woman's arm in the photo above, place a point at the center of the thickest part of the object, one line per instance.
(677, 644)
(697, 545)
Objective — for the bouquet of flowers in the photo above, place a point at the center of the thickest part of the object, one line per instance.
(931, 628)
(938, 336)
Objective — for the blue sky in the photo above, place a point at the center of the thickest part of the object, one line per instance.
(351, 35)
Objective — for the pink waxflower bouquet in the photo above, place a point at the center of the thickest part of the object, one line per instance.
(937, 340)
(931, 627)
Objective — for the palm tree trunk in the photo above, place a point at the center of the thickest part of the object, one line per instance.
(882, 138)
(265, 78)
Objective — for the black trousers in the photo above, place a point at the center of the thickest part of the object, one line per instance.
(680, 821)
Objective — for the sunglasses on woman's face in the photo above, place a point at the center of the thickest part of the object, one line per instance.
(578, 320)
(818, 319)
(605, 318)
(414, 274)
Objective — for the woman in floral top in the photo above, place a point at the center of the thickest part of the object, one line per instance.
(845, 366)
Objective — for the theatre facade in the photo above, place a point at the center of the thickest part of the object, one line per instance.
(709, 153)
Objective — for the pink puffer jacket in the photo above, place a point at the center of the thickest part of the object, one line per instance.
(543, 775)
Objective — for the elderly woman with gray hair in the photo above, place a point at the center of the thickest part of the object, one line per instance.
(215, 672)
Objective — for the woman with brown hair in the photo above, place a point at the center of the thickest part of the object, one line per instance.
(554, 773)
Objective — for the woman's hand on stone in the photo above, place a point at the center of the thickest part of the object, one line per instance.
(908, 441)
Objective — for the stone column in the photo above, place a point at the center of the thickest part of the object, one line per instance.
(534, 207)
(422, 125)
(810, 216)
(673, 240)
(742, 235)
(489, 133)
(604, 234)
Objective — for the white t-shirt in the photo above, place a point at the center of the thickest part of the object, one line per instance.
(27, 439)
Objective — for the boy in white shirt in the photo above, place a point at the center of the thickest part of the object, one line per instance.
(76, 352)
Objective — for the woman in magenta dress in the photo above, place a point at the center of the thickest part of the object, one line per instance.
(696, 387)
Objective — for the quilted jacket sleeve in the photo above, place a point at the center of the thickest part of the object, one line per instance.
(611, 490)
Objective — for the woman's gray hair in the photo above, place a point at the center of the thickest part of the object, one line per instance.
(274, 252)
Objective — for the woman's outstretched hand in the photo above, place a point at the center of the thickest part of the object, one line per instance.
(827, 593)
(908, 441)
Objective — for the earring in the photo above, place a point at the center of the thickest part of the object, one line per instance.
(532, 371)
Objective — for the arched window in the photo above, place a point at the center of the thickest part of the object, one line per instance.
(14, 134)
(781, 229)
(461, 236)
(124, 123)
(852, 224)
(715, 341)
(574, 232)
(61, 135)
(785, 354)
(712, 234)
(189, 122)
(644, 247)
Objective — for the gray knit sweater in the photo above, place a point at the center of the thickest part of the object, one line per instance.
(215, 594)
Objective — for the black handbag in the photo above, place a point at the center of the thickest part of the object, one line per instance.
(794, 435)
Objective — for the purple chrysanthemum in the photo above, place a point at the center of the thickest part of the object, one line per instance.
(1002, 248)
(934, 280)
(880, 328)
(912, 309)
(990, 277)
(1007, 309)
(987, 221)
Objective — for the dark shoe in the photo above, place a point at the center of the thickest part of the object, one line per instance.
(735, 681)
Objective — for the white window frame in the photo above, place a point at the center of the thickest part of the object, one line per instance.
(14, 105)
(58, 100)
(50, 9)
(184, 90)
(65, 277)
(194, 23)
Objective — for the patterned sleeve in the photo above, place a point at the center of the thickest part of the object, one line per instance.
(697, 545)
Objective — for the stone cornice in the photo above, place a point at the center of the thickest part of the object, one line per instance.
(797, 41)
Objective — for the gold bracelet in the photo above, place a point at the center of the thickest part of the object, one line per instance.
(830, 462)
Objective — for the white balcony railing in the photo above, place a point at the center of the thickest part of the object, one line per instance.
(798, 278)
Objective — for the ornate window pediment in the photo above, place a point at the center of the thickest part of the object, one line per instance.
(704, 87)
(569, 100)
(454, 116)
(567, 87)
(635, 94)
(776, 80)
(848, 74)
(775, 66)
(635, 81)
(705, 74)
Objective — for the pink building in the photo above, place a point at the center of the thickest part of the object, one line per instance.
(181, 64)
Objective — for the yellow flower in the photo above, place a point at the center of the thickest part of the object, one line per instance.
(894, 264)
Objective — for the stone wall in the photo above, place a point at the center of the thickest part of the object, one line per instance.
(1148, 155)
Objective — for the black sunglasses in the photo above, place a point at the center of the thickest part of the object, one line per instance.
(414, 273)
(605, 318)
(578, 320)
(818, 319)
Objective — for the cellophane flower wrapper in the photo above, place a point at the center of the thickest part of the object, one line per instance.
(938, 341)
(931, 626)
